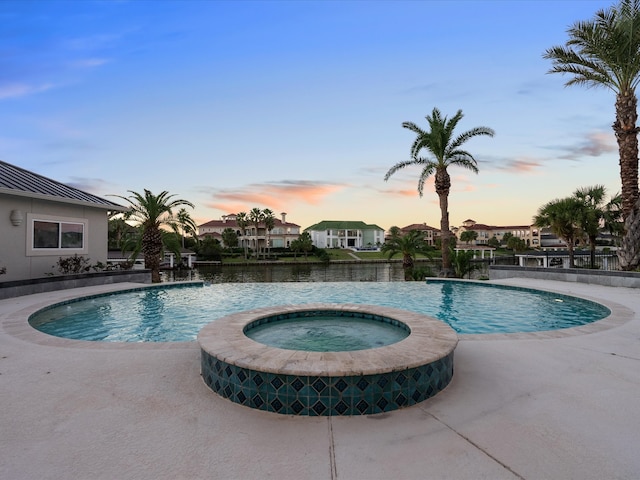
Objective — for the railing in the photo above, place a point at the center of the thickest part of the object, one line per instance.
(581, 258)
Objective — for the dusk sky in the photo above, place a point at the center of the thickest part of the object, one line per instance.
(298, 106)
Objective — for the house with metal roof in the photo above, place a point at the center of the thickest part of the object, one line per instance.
(42, 220)
(346, 234)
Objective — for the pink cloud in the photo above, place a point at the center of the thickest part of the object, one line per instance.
(277, 195)
(521, 166)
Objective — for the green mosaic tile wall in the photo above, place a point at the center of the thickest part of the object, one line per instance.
(325, 395)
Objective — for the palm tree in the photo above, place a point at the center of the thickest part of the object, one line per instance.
(243, 221)
(269, 223)
(256, 216)
(613, 222)
(444, 150)
(409, 245)
(462, 261)
(591, 215)
(605, 52)
(185, 225)
(151, 212)
(468, 236)
(560, 216)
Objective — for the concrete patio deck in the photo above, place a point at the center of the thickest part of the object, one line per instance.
(547, 406)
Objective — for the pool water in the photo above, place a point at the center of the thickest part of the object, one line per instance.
(326, 332)
(168, 313)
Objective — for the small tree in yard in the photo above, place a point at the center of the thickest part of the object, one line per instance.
(516, 244)
(468, 236)
(462, 262)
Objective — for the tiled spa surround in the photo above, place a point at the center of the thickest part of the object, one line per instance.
(327, 383)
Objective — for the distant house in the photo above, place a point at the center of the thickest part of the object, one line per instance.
(529, 233)
(42, 220)
(281, 235)
(346, 234)
(431, 234)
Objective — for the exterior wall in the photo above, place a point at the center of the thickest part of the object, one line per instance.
(64, 282)
(15, 241)
(346, 238)
(372, 238)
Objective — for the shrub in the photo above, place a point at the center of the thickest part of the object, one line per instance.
(75, 264)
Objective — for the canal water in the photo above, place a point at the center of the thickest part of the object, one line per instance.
(332, 272)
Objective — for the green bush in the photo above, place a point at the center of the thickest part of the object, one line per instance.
(75, 264)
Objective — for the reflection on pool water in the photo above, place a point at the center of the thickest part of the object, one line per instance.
(177, 312)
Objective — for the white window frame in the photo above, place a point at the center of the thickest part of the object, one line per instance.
(35, 252)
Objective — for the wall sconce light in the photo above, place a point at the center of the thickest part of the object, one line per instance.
(16, 218)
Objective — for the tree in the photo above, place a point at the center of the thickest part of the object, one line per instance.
(462, 261)
(591, 215)
(210, 249)
(613, 221)
(256, 217)
(493, 242)
(409, 246)
(506, 237)
(152, 212)
(560, 216)
(468, 236)
(516, 244)
(185, 225)
(119, 231)
(443, 150)
(605, 52)
(229, 237)
(302, 244)
(243, 221)
(269, 223)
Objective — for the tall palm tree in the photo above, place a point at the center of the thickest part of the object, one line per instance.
(243, 221)
(591, 215)
(613, 221)
(269, 222)
(409, 246)
(151, 212)
(186, 225)
(560, 216)
(605, 52)
(256, 216)
(444, 150)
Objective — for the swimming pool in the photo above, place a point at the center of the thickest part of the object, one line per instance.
(170, 313)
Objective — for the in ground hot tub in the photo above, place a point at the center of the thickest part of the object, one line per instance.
(347, 382)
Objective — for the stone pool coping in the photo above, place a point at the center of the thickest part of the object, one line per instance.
(429, 341)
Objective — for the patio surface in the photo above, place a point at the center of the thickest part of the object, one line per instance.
(562, 405)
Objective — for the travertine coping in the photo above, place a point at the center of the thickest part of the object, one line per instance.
(428, 341)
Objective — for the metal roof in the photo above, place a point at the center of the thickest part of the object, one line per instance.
(18, 181)
(342, 225)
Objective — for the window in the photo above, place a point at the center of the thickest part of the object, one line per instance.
(57, 234)
(48, 234)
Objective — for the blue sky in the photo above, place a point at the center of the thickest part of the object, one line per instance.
(298, 106)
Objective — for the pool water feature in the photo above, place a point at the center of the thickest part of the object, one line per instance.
(326, 331)
(313, 383)
(176, 312)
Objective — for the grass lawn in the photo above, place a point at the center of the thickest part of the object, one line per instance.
(335, 254)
